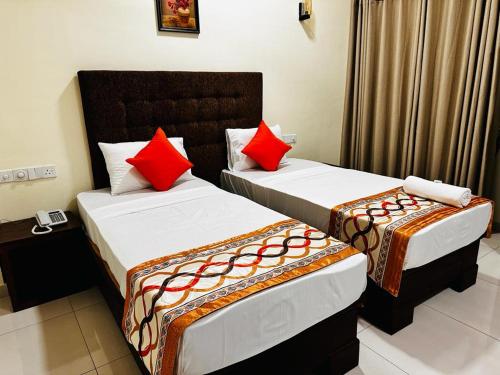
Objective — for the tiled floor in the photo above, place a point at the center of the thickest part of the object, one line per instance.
(453, 333)
(74, 335)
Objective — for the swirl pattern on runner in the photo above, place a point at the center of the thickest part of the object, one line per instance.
(377, 213)
(381, 226)
(166, 295)
(203, 272)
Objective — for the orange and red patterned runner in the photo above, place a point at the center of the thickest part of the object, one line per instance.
(381, 226)
(166, 295)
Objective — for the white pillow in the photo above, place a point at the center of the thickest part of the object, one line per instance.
(123, 177)
(236, 140)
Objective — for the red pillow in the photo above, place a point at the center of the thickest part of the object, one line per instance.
(266, 149)
(160, 163)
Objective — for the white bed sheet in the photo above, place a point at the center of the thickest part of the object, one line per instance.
(308, 190)
(135, 227)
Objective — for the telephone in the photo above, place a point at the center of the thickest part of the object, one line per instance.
(48, 219)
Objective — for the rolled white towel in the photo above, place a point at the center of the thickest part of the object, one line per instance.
(449, 194)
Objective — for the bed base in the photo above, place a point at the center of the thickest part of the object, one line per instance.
(457, 271)
(329, 347)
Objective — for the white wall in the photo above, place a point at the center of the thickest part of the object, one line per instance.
(45, 42)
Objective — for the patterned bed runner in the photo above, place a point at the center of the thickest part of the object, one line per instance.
(166, 295)
(381, 226)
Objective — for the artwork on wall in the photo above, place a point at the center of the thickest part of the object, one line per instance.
(178, 15)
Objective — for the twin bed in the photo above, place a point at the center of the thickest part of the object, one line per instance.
(304, 325)
(440, 255)
(139, 226)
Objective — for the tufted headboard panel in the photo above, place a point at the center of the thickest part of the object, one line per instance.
(126, 106)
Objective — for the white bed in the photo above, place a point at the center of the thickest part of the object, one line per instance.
(308, 190)
(136, 227)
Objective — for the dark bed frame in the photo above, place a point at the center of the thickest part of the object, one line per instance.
(457, 271)
(124, 106)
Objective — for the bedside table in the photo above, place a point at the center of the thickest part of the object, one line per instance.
(42, 268)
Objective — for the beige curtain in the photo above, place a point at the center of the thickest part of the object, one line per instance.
(422, 94)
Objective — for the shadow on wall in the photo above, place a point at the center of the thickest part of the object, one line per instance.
(172, 34)
(73, 131)
(309, 27)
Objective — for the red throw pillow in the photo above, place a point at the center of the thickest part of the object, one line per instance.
(266, 149)
(160, 163)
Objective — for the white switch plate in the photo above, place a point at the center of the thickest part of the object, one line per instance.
(290, 139)
(20, 174)
(28, 173)
(6, 176)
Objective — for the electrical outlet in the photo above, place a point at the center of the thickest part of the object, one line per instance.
(28, 173)
(290, 139)
(6, 176)
(46, 171)
(20, 174)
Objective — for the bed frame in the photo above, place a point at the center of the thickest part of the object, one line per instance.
(124, 106)
(457, 271)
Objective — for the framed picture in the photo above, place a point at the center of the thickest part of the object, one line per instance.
(178, 15)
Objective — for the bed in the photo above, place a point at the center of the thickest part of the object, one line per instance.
(275, 330)
(441, 255)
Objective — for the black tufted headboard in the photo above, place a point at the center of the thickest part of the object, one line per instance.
(126, 106)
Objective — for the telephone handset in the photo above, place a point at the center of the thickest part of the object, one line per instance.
(48, 219)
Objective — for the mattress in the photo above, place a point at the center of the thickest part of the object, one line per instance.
(308, 190)
(136, 227)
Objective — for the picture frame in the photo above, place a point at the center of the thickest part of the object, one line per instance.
(178, 16)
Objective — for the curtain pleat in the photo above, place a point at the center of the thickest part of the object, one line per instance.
(422, 89)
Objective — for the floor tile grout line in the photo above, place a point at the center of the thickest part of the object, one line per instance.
(482, 256)
(381, 356)
(362, 329)
(497, 246)
(463, 323)
(84, 340)
(36, 323)
(88, 372)
(46, 320)
(86, 306)
(488, 252)
(488, 281)
(114, 360)
(83, 307)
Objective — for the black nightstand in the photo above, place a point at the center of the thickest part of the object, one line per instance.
(42, 268)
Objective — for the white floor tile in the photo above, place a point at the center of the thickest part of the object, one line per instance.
(493, 242)
(484, 249)
(362, 324)
(54, 347)
(436, 344)
(478, 306)
(86, 298)
(10, 321)
(370, 363)
(489, 267)
(101, 334)
(122, 366)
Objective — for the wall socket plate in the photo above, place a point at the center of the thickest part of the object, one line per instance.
(28, 173)
(290, 139)
(46, 171)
